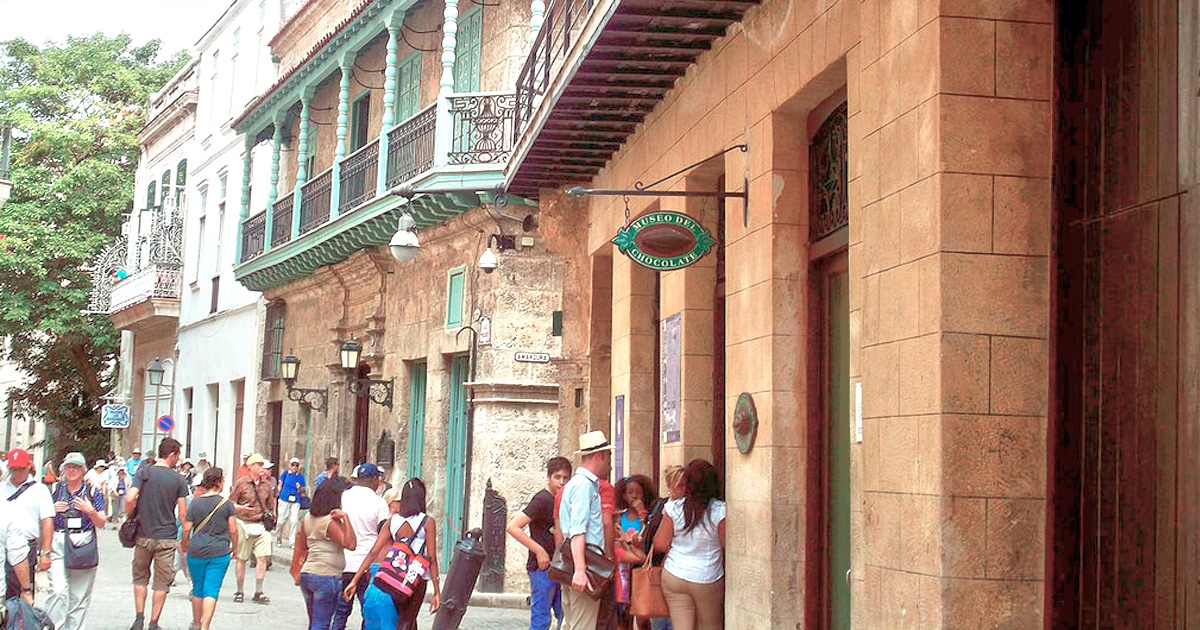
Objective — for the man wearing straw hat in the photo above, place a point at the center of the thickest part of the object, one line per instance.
(582, 524)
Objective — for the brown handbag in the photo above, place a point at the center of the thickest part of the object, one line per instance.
(600, 569)
(646, 597)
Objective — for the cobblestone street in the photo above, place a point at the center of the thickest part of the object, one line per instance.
(112, 601)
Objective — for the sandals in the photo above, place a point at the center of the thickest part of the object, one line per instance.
(259, 598)
(239, 597)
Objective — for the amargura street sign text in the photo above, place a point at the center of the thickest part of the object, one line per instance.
(664, 240)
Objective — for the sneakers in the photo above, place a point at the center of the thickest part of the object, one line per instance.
(259, 598)
(139, 623)
(193, 626)
(238, 597)
(153, 626)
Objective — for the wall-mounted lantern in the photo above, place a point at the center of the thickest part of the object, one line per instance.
(378, 390)
(317, 399)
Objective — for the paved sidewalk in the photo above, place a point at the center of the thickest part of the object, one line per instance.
(112, 600)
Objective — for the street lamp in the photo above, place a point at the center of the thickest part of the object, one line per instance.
(378, 390)
(316, 399)
(154, 374)
(404, 243)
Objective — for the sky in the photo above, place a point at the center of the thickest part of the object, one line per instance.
(179, 23)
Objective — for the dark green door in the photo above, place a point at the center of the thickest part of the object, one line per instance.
(837, 332)
(456, 458)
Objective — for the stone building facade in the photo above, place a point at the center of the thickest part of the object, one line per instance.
(387, 112)
(978, 369)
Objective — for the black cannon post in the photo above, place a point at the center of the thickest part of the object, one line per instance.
(495, 517)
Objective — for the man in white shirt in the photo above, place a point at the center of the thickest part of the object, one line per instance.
(14, 552)
(366, 511)
(30, 511)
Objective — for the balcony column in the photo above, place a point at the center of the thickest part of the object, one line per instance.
(302, 161)
(273, 191)
(244, 213)
(537, 15)
(343, 125)
(389, 103)
(443, 133)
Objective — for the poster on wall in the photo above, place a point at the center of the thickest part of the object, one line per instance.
(670, 375)
(619, 436)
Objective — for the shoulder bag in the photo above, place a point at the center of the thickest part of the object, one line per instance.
(199, 527)
(646, 597)
(268, 518)
(81, 550)
(600, 568)
(129, 529)
(402, 568)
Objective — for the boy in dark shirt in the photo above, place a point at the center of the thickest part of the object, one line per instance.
(539, 516)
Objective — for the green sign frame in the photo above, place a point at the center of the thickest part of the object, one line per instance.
(664, 221)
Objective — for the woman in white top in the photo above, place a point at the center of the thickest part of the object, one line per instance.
(409, 519)
(693, 536)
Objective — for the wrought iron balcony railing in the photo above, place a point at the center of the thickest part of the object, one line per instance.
(564, 19)
(411, 146)
(481, 132)
(157, 280)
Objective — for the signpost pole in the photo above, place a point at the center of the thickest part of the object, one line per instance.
(157, 398)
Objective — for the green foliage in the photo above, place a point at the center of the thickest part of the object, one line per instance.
(75, 110)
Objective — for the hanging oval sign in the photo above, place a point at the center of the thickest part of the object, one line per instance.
(664, 240)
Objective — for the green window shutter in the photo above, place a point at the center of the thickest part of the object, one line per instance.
(454, 299)
(360, 120)
(408, 92)
(416, 419)
(467, 52)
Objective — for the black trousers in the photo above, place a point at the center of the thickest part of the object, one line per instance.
(13, 586)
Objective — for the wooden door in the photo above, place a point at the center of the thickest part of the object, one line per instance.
(362, 420)
(1114, 545)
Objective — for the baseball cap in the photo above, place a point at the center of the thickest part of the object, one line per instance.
(100, 463)
(255, 458)
(19, 458)
(268, 464)
(74, 458)
(294, 460)
(367, 470)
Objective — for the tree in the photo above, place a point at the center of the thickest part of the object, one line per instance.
(75, 110)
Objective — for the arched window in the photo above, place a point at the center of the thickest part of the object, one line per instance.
(180, 181)
(151, 196)
(166, 185)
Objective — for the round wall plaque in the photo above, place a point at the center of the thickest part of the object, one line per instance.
(745, 422)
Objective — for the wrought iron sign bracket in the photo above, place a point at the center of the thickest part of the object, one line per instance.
(647, 190)
(378, 390)
(316, 399)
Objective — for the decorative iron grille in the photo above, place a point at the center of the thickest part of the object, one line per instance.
(483, 126)
(360, 173)
(314, 201)
(281, 221)
(254, 234)
(410, 147)
(104, 274)
(166, 237)
(827, 174)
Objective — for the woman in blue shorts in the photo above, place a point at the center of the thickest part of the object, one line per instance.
(209, 536)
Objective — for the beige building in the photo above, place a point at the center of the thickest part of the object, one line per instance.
(959, 290)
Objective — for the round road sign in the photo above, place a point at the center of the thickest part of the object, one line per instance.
(165, 424)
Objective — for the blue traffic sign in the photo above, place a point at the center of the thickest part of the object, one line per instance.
(165, 424)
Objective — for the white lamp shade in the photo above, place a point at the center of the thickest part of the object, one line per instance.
(289, 366)
(404, 245)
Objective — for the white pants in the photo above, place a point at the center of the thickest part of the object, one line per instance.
(70, 589)
(289, 517)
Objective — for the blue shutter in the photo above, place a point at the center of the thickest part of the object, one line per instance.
(454, 299)
(456, 459)
(408, 93)
(467, 52)
(416, 419)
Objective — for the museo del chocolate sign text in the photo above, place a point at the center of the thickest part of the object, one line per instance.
(664, 240)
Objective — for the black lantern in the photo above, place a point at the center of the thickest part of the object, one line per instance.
(317, 399)
(378, 390)
(155, 371)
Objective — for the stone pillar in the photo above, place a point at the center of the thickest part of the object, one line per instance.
(302, 162)
(273, 191)
(951, 144)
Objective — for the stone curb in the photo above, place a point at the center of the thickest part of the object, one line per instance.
(283, 560)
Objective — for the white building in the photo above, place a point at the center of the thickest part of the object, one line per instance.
(21, 429)
(220, 322)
